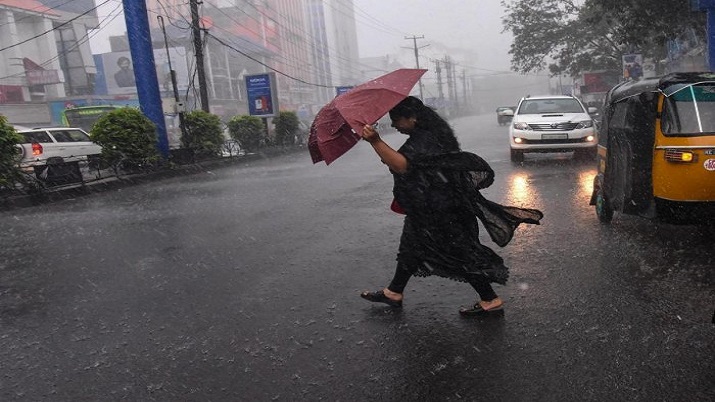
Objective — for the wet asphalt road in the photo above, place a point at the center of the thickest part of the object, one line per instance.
(242, 283)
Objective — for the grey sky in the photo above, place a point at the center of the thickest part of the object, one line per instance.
(473, 25)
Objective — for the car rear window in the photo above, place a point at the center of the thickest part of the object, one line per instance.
(35, 136)
(70, 136)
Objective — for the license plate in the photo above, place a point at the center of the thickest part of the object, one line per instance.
(710, 152)
(554, 136)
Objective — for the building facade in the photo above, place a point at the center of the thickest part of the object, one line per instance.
(46, 49)
(310, 45)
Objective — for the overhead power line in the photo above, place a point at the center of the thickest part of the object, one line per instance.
(219, 40)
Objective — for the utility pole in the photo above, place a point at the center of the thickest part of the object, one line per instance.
(440, 93)
(450, 90)
(464, 86)
(454, 83)
(417, 56)
(199, 52)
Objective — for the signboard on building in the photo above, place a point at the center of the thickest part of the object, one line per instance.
(42, 77)
(261, 94)
(598, 81)
(38, 75)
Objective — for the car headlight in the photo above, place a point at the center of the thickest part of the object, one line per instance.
(585, 124)
(521, 126)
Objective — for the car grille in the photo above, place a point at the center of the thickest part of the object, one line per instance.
(567, 126)
(555, 141)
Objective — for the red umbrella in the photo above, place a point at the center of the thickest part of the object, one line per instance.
(337, 125)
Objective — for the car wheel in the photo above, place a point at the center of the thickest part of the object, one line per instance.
(516, 156)
(604, 211)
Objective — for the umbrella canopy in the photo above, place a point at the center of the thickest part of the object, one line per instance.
(337, 125)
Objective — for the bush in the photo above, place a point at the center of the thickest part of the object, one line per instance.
(286, 128)
(248, 130)
(128, 138)
(204, 135)
(9, 138)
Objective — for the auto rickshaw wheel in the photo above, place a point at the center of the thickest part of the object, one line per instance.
(604, 211)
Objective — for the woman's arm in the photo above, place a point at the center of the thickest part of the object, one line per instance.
(393, 159)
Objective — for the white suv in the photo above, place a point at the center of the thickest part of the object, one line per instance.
(553, 123)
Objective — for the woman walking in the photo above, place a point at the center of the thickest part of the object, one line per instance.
(436, 186)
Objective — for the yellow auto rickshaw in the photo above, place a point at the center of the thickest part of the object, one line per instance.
(656, 151)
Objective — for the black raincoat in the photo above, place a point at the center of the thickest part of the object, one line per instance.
(440, 196)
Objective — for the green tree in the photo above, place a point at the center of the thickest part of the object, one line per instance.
(204, 134)
(248, 130)
(9, 138)
(565, 37)
(128, 139)
(286, 127)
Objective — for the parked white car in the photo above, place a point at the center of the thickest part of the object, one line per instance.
(65, 149)
(553, 123)
(64, 144)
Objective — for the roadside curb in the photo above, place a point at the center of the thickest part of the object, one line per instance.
(117, 182)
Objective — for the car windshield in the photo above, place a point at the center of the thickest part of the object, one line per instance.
(690, 110)
(541, 106)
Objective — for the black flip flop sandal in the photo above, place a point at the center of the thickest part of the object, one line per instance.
(379, 297)
(477, 311)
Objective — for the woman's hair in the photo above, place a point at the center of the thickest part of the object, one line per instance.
(427, 119)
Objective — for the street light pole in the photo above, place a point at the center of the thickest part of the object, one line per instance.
(179, 109)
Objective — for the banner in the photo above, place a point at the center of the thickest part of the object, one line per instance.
(632, 66)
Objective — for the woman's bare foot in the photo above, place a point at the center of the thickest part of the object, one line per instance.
(383, 296)
(392, 295)
(491, 304)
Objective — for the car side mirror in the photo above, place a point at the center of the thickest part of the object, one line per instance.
(592, 110)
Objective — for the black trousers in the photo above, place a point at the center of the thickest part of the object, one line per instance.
(480, 283)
